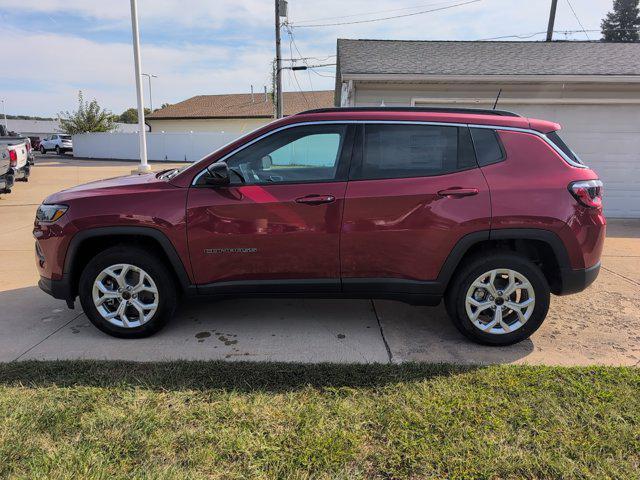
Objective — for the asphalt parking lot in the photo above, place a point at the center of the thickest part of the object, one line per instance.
(598, 326)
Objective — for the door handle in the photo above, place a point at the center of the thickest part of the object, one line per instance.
(316, 199)
(456, 192)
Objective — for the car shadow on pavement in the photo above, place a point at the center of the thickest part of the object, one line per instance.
(308, 331)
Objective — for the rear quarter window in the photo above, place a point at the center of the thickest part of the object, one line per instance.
(488, 147)
(555, 138)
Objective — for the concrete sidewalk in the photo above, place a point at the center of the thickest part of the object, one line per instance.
(598, 326)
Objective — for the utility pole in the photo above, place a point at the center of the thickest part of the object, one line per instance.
(150, 98)
(552, 20)
(278, 72)
(144, 166)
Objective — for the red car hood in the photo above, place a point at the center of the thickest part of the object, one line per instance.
(123, 185)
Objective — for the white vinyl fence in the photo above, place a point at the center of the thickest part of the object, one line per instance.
(176, 147)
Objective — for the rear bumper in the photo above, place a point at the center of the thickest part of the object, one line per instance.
(574, 281)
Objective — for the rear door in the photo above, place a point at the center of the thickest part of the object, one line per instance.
(414, 191)
(277, 226)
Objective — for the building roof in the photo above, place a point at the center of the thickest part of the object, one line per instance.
(239, 105)
(487, 58)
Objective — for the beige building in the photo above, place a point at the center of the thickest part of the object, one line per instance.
(232, 113)
(591, 88)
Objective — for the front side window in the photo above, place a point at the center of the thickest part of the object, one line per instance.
(299, 154)
(403, 150)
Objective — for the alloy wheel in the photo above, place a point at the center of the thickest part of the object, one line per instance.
(125, 295)
(500, 301)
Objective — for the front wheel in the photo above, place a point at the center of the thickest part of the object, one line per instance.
(42, 150)
(127, 292)
(498, 299)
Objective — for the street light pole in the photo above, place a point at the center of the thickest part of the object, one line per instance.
(144, 166)
(4, 113)
(150, 98)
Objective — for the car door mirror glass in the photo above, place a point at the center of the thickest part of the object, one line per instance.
(217, 174)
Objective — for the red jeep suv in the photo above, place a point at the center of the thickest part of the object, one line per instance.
(486, 209)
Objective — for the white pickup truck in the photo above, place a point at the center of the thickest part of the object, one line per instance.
(14, 161)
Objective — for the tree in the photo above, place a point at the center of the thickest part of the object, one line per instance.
(130, 115)
(88, 118)
(623, 24)
(164, 105)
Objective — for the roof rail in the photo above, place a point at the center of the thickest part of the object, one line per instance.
(477, 111)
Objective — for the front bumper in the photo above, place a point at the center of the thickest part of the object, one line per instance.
(574, 281)
(60, 289)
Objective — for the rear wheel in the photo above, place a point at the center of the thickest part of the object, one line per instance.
(58, 151)
(498, 299)
(127, 293)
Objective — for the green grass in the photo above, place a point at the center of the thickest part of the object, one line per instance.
(263, 420)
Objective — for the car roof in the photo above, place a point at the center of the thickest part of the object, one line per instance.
(475, 116)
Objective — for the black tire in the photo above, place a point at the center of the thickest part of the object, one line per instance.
(58, 151)
(43, 150)
(149, 263)
(455, 297)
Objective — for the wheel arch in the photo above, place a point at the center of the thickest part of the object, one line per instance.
(542, 246)
(87, 243)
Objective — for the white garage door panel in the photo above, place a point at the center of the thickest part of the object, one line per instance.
(607, 139)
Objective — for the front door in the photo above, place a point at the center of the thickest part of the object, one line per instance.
(415, 190)
(276, 227)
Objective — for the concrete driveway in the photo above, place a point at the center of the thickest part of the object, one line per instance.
(598, 326)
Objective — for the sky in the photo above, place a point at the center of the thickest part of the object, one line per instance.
(197, 47)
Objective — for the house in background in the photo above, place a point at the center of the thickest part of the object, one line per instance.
(232, 113)
(591, 88)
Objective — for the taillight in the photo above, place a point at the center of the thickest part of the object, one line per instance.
(587, 192)
(13, 158)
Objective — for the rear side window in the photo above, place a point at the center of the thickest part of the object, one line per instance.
(555, 138)
(487, 145)
(401, 151)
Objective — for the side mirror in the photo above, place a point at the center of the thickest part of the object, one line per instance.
(217, 174)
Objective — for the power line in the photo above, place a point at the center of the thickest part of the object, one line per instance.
(564, 32)
(293, 72)
(529, 35)
(292, 41)
(374, 13)
(579, 22)
(386, 18)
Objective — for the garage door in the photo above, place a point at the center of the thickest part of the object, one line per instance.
(607, 139)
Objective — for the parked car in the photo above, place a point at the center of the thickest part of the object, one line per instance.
(60, 143)
(486, 209)
(14, 161)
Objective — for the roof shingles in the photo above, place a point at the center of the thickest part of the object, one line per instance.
(487, 58)
(240, 105)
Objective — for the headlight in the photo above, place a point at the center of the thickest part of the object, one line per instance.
(50, 213)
